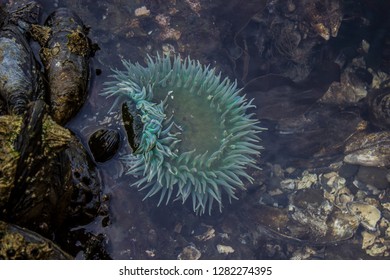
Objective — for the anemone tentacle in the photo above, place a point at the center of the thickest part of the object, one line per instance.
(197, 138)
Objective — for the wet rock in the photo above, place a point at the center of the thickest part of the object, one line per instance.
(308, 218)
(307, 198)
(336, 191)
(150, 253)
(288, 184)
(209, 234)
(364, 190)
(378, 250)
(46, 176)
(83, 179)
(224, 249)
(369, 149)
(387, 232)
(307, 180)
(315, 213)
(142, 12)
(18, 243)
(351, 88)
(189, 253)
(342, 226)
(31, 146)
(367, 214)
(325, 17)
(373, 176)
(379, 107)
(303, 253)
(282, 38)
(348, 170)
(368, 239)
(9, 129)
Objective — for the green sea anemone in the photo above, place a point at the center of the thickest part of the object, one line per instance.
(197, 139)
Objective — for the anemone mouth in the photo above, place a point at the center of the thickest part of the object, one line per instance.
(197, 139)
(199, 124)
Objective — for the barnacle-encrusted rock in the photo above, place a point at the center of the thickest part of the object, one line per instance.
(17, 243)
(45, 174)
(26, 145)
(9, 130)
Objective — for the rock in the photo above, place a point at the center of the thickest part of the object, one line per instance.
(368, 239)
(189, 253)
(142, 12)
(369, 149)
(367, 214)
(224, 249)
(379, 107)
(373, 176)
(209, 234)
(19, 243)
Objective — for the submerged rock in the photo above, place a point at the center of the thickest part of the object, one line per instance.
(379, 105)
(46, 176)
(189, 253)
(18, 243)
(369, 149)
(367, 214)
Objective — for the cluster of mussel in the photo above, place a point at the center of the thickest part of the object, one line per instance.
(47, 179)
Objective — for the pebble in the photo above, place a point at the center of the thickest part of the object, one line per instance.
(209, 234)
(224, 249)
(367, 214)
(368, 239)
(142, 12)
(189, 253)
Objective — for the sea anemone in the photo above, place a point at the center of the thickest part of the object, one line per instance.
(197, 139)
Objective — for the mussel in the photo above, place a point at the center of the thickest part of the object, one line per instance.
(103, 144)
(132, 124)
(20, 78)
(65, 53)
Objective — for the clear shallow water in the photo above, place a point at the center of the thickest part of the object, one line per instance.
(302, 135)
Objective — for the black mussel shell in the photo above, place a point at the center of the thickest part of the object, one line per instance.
(68, 84)
(132, 123)
(22, 83)
(103, 144)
